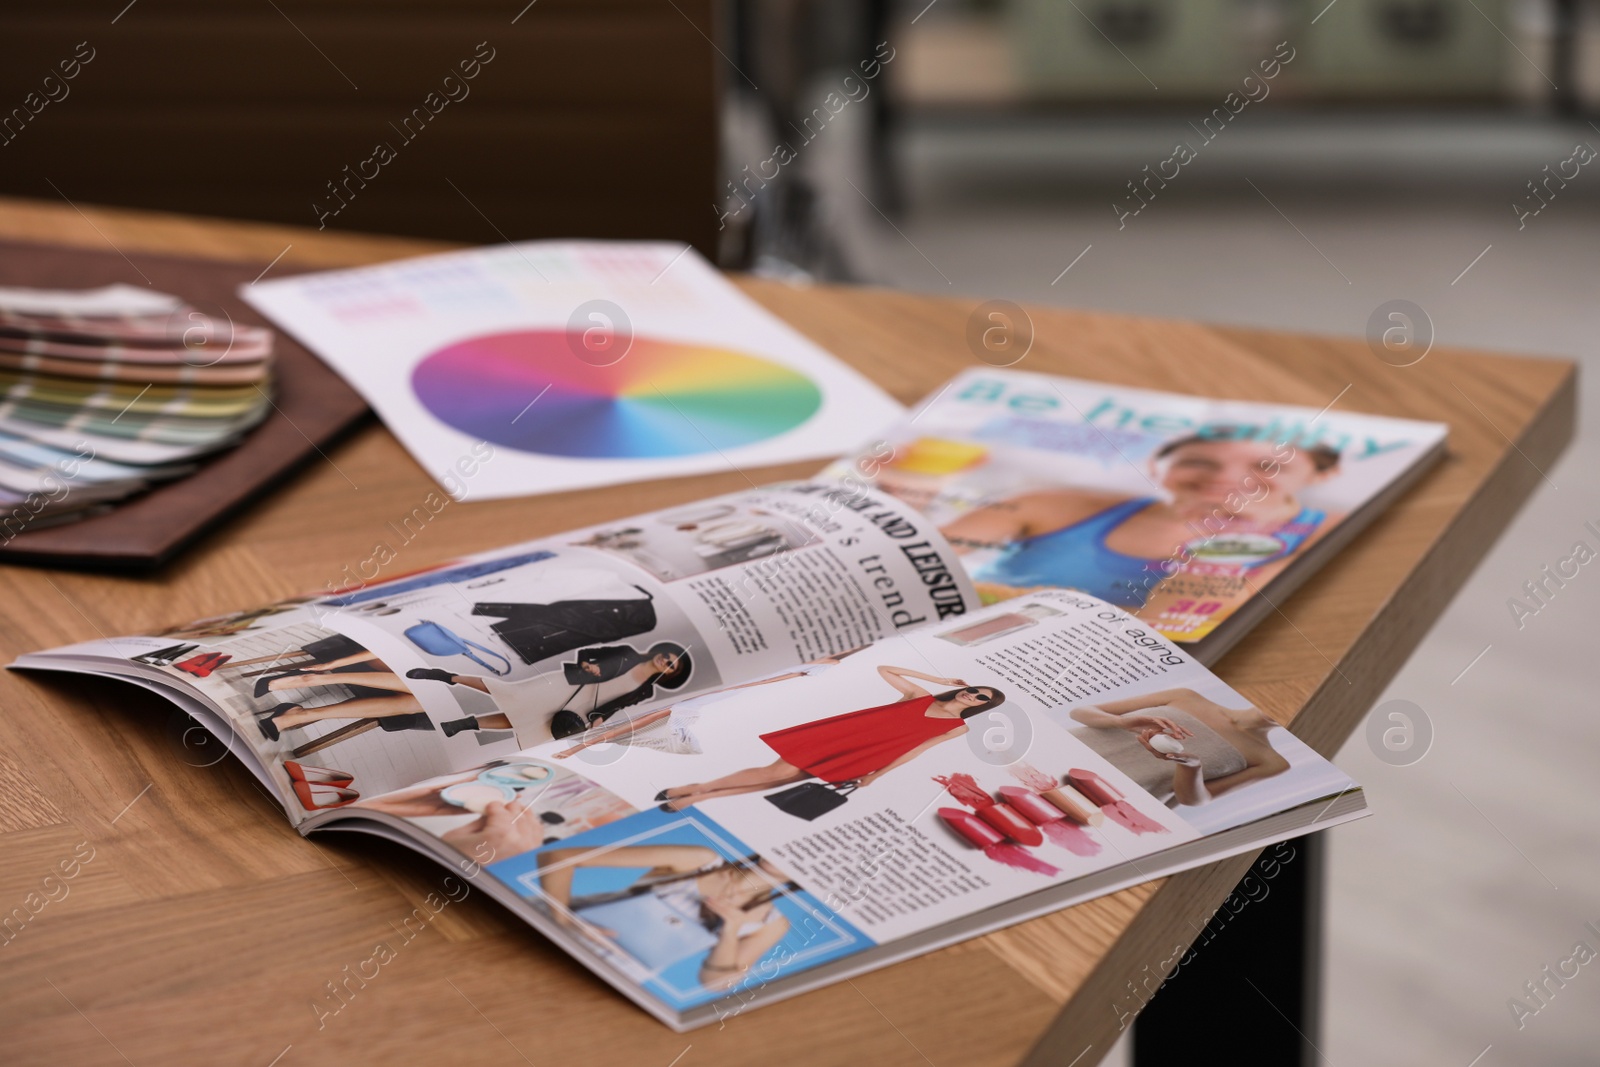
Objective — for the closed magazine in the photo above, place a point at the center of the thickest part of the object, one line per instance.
(1194, 514)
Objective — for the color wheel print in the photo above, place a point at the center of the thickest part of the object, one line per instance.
(526, 390)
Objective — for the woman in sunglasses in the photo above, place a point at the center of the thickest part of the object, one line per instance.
(860, 746)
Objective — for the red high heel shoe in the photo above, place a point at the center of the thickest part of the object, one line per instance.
(202, 665)
(313, 775)
(312, 797)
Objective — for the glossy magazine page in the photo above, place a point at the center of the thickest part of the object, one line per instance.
(1178, 508)
(713, 847)
(366, 688)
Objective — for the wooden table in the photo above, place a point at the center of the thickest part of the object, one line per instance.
(203, 928)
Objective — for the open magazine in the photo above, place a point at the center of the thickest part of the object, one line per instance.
(730, 751)
(1180, 509)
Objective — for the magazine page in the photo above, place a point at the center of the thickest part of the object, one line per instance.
(761, 830)
(392, 679)
(1177, 508)
(583, 363)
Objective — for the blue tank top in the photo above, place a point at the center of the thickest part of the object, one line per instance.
(1076, 557)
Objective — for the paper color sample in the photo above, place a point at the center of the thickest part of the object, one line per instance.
(523, 347)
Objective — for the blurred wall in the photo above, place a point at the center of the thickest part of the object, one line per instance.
(465, 120)
(1149, 53)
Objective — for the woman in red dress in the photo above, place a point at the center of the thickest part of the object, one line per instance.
(860, 746)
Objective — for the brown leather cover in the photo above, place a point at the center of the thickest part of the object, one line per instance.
(314, 406)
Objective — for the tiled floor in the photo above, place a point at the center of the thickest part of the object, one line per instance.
(1482, 864)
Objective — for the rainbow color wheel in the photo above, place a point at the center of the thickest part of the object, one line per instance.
(529, 391)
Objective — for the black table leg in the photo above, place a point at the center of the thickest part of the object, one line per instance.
(1258, 959)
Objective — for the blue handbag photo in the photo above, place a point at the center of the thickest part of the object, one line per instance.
(436, 640)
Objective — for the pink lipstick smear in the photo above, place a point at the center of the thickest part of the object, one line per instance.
(1072, 837)
(965, 789)
(1020, 858)
(994, 844)
(1131, 819)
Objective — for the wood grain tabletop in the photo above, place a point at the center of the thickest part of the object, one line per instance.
(198, 928)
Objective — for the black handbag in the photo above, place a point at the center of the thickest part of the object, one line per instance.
(566, 722)
(811, 800)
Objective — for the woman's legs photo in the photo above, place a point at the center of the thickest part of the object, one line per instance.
(491, 721)
(370, 679)
(750, 780)
(433, 674)
(291, 716)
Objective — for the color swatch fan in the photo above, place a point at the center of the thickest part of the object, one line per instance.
(105, 392)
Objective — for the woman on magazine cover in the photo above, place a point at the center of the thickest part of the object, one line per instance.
(1221, 748)
(1226, 493)
(859, 746)
(590, 689)
(689, 900)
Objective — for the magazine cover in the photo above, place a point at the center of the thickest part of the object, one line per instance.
(1177, 508)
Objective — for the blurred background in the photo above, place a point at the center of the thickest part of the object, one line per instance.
(1404, 152)
(985, 111)
(1339, 155)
